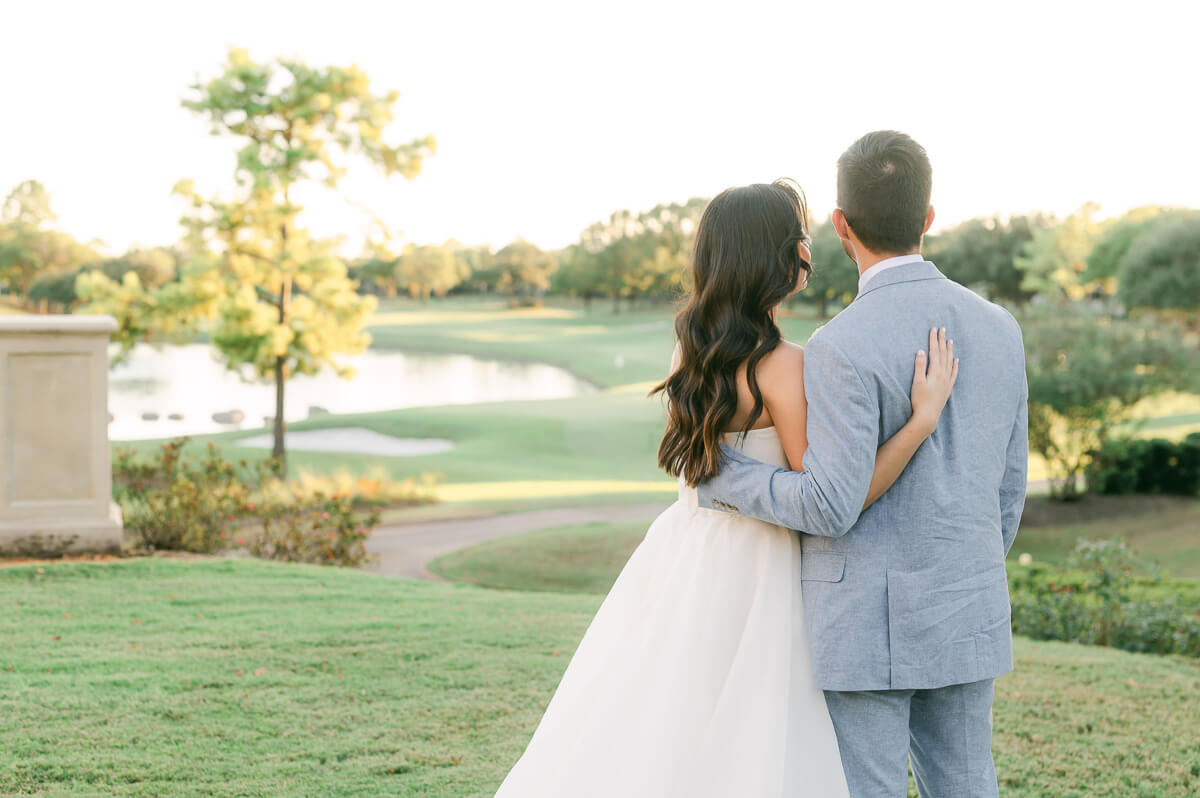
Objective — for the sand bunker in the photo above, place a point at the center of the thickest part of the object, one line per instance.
(357, 440)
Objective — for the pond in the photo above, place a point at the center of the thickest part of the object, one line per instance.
(177, 390)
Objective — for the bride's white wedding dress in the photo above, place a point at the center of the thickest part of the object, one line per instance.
(695, 677)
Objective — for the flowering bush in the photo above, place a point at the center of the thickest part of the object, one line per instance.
(311, 528)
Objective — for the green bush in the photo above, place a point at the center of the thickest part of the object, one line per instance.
(176, 501)
(1130, 465)
(1100, 600)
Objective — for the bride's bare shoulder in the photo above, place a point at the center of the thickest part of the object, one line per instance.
(782, 361)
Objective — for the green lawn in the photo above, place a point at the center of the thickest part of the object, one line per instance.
(1168, 536)
(571, 559)
(220, 678)
(610, 349)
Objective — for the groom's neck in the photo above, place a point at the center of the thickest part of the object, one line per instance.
(866, 258)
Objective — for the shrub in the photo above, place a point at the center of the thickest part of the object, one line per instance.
(1127, 465)
(176, 501)
(1096, 601)
(311, 528)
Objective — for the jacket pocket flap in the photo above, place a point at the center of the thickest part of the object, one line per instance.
(822, 566)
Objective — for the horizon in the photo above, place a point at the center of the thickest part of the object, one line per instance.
(564, 133)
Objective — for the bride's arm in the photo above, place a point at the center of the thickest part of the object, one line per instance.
(781, 380)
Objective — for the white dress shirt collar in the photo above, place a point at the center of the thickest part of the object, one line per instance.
(883, 265)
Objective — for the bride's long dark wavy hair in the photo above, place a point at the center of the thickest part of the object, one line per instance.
(745, 262)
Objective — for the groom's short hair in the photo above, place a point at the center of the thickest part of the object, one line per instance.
(883, 188)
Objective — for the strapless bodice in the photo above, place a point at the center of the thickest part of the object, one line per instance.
(761, 444)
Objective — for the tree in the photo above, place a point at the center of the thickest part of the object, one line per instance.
(291, 119)
(1114, 240)
(279, 299)
(1163, 270)
(580, 274)
(1054, 259)
(982, 254)
(835, 276)
(630, 255)
(28, 204)
(484, 274)
(376, 274)
(1086, 372)
(55, 289)
(429, 270)
(525, 271)
(155, 267)
(29, 251)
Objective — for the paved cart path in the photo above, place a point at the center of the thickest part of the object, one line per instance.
(406, 549)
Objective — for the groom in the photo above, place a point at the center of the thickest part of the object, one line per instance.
(907, 603)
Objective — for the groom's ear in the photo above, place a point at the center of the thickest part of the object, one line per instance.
(841, 225)
(928, 221)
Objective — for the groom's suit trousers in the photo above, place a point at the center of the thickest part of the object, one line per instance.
(946, 731)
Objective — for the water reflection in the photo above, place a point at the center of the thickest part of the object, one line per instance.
(188, 382)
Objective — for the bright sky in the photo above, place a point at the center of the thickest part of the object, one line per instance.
(551, 115)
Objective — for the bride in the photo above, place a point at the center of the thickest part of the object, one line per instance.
(695, 677)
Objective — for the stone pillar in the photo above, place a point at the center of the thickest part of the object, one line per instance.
(55, 459)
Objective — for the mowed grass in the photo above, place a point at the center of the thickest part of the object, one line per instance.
(157, 678)
(220, 678)
(585, 558)
(610, 349)
(1168, 537)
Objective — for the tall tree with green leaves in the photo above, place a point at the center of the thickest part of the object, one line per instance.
(281, 300)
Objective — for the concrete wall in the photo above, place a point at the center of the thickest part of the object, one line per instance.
(55, 459)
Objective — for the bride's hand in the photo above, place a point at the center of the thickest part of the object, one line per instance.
(933, 378)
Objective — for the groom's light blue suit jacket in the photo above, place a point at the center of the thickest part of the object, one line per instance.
(911, 594)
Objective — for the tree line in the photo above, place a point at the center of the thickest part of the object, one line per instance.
(1148, 257)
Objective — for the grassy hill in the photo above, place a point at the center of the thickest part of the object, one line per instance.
(159, 677)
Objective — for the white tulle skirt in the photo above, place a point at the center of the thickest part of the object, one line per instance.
(694, 679)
